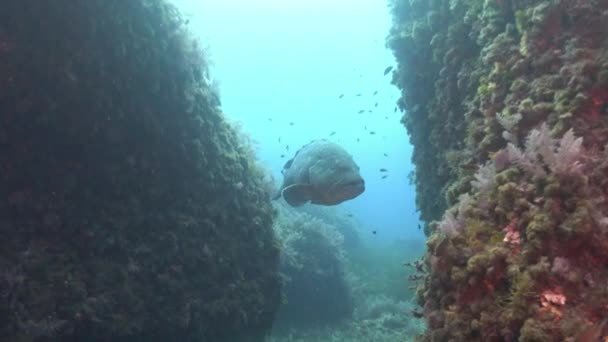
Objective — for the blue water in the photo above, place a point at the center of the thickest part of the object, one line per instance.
(288, 61)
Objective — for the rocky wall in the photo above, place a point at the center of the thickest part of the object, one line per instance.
(129, 209)
(507, 106)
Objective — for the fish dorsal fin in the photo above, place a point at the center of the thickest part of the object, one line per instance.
(306, 145)
(290, 161)
(297, 194)
(287, 165)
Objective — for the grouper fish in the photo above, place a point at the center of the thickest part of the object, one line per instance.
(321, 172)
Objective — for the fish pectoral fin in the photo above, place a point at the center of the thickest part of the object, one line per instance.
(287, 165)
(297, 194)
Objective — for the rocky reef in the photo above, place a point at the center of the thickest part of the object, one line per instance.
(316, 290)
(506, 102)
(338, 286)
(130, 210)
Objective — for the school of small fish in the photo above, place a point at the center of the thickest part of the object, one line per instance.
(383, 171)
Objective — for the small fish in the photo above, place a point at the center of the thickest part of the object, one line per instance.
(387, 70)
(279, 139)
(376, 104)
(270, 119)
(358, 140)
(282, 156)
(395, 111)
(469, 167)
(386, 155)
(369, 110)
(375, 93)
(374, 232)
(332, 133)
(372, 132)
(291, 124)
(359, 94)
(419, 226)
(287, 147)
(383, 177)
(349, 215)
(341, 96)
(386, 118)
(365, 127)
(417, 314)
(361, 111)
(383, 170)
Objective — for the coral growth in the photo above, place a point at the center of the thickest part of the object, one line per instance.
(129, 208)
(316, 291)
(336, 290)
(510, 112)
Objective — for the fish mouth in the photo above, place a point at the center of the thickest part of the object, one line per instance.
(340, 192)
(356, 182)
(353, 188)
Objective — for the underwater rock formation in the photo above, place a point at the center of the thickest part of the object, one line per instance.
(129, 209)
(507, 106)
(316, 290)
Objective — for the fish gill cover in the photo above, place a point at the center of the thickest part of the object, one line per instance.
(129, 208)
(506, 104)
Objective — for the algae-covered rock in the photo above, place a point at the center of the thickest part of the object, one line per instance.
(528, 120)
(129, 209)
(316, 291)
(430, 57)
